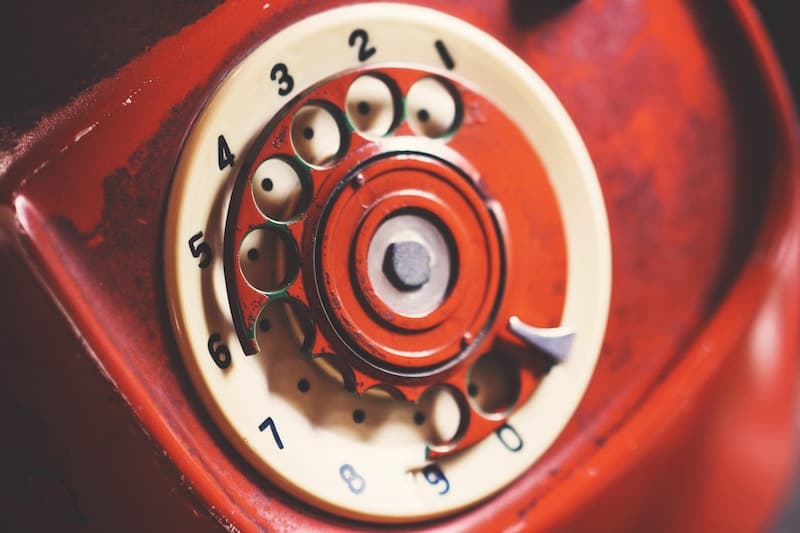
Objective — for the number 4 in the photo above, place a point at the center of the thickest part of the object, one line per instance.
(225, 157)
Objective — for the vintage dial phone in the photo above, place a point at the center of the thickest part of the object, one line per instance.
(430, 265)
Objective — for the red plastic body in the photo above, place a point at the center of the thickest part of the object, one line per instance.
(688, 422)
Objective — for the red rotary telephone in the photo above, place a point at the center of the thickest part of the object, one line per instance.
(425, 266)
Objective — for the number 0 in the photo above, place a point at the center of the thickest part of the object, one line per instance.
(510, 438)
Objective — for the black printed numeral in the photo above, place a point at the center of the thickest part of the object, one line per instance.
(219, 352)
(200, 249)
(280, 74)
(509, 437)
(365, 51)
(269, 423)
(444, 55)
(225, 158)
(433, 475)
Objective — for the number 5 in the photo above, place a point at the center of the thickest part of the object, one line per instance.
(202, 250)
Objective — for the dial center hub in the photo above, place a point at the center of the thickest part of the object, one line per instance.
(407, 265)
(400, 297)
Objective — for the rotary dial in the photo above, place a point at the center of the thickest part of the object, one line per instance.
(389, 262)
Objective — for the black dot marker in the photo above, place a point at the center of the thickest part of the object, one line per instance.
(264, 324)
(359, 416)
(423, 115)
(308, 133)
(303, 385)
(472, 390)
(252, 254)
(419, 418)
(266, 184)
(363, 108)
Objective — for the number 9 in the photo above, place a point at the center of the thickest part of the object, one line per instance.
(434, 475)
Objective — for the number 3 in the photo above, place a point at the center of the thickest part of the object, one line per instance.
(280, 73)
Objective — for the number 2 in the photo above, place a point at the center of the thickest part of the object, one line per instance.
(364, 51)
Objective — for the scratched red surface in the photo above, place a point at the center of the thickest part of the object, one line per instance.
(685, 118)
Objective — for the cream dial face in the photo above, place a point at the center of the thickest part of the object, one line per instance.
(365, 456)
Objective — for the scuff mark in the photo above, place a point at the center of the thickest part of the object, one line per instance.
(81, 134)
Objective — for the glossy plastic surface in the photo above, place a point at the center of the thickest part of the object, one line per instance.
(689, 124)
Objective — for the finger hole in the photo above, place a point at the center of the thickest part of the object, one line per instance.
(444, 411)
(385, 392)
(372, 105)
(284, 326)
(269, 259)
(337, 369)
(433, 108)
(280, 190)
(318, 134)
(493, 383)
